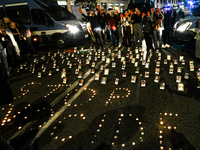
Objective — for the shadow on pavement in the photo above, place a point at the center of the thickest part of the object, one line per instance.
(179, 141)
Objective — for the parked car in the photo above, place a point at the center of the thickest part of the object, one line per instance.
(185, 29)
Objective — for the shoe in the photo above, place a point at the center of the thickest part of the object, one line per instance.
(163, 46)
(167, 45)
(119, 45)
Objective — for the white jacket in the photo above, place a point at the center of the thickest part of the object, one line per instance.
(13, 41)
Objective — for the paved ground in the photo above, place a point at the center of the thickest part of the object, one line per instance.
(49, 114)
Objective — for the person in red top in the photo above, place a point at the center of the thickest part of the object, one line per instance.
(113, 20)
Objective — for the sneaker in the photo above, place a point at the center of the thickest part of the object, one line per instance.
(167, 45)
(163, 46)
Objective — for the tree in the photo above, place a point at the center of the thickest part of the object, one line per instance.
(86, 3)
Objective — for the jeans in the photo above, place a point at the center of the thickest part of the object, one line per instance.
(138, 34)
(157, 39)
(148, 39)
(114, 37)
(166, 36)
(98, 36)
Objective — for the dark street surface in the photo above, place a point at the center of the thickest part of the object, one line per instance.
(48, 114)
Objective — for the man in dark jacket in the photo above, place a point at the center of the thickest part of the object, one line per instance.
(166, 31)
(96, 26)
(147, 22)
(137, 27)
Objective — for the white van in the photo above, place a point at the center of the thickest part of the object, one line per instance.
(49, 23)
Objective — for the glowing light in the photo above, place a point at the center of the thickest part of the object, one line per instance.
(161, 122)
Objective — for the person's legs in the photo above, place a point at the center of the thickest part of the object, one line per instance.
(155, 39)
(135, 34)
(125, 36)
(129, 36)
(164, 37)
(168, 37)
(112, 37)
(160, 38)
(148, 40)
(139, 28)
(116, 37)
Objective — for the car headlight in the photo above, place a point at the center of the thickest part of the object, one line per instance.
(184, 26)
(72, 29)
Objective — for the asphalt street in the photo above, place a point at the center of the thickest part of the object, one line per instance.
(117, 99)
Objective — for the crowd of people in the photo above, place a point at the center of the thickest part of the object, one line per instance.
(153, 26)
(16, 41)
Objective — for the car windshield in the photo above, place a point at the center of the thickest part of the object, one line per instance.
(55, 11)
(59, 14)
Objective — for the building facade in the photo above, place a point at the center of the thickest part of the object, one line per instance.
(119, 5)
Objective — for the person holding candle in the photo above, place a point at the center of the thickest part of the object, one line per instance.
(113, 26)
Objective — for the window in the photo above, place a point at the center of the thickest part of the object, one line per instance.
(104, 6)
(19, 13)
(39, 16)
(2, 14)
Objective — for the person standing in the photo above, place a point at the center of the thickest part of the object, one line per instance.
(6, 93)
(167, 29)
(103, 23)
(95, 26)
(8, 41)
(87, 21)
(126, 21)
(173, 17)
(158, 17)
(15, 31)
(137, 27)
(25, 34)
(113, 26)
(153, 26)
(147, 22)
